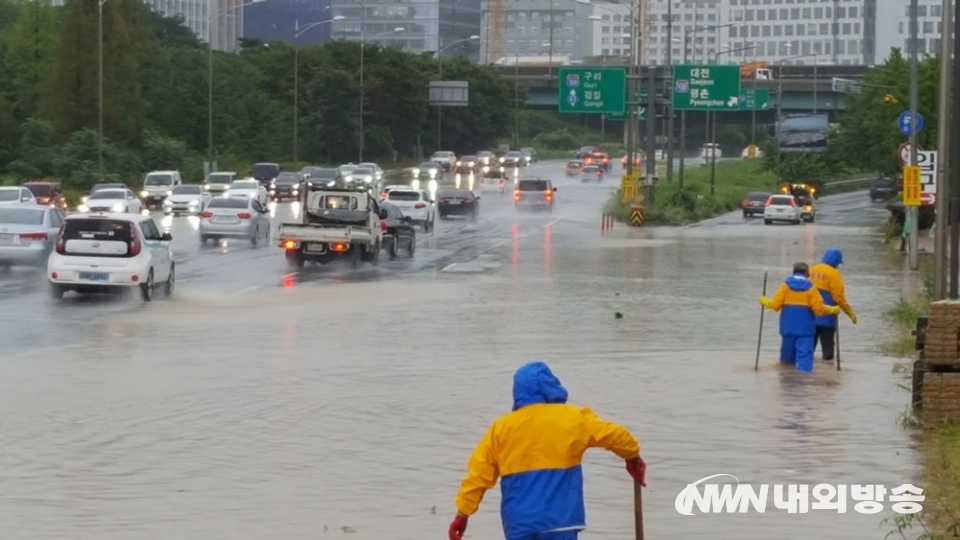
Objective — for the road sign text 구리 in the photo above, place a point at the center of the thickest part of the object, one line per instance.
(592, 90)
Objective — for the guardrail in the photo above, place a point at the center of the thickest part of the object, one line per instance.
(852, 184)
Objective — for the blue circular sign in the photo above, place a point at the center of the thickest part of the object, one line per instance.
(906, 119)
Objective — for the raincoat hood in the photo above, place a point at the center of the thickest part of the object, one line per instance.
(833, 257)
(535, 383)
(799, 283)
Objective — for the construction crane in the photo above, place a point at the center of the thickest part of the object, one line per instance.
(495, 32)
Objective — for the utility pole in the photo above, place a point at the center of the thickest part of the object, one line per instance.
(100, 84)
(954, 179)
(669, 94)
(913, 214)
(943, 157)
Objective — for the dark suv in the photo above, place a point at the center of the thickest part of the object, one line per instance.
(883, 189)
(754, 203)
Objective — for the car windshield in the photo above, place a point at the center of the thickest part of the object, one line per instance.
(288, 178)
(398, 195)
(527, 150)
(21, 216)
(428, 165)
(533, 185)
(443, 154)
(513, 154)
(346, 168)
(265, 170)
(99, 187)
(244, 184)
(158, 180)
(9, 194)
(468, 158)
(219, 178)
(574, 164)
(484, 154)
(361, 171)
(222, 202)
(108, 194)
(96, 229)
(187, 190)
(884, 182)
(40, 190)
(782, 201)
(459, 193)
(324, 173)
(371, 166)
(587, 170)
(758, 196)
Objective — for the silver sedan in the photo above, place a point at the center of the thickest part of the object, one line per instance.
(28, 234)
(238, 217)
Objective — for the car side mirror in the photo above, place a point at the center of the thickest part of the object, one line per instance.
(166, 237)
(407, 218)
(383, 214)
(554, 189)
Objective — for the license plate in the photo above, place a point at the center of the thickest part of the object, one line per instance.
(454, 202)
(224, 219)
(316, 248)
(780, 210)
(94, 276)
(6, 238)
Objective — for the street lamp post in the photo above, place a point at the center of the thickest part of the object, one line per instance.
(210, 21)
(440, 71)
(363, 42)
(780, 81)
(713, 127)
(297, 31)
(100, 4)
(683, 113)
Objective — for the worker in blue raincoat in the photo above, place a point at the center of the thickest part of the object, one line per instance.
(826, 278)
(536, 452)
(799, 304)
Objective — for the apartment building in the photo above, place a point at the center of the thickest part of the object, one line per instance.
(427, 25)
(893, 28)
(526, 28)
(224, 16)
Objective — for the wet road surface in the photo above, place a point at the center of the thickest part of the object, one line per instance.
(263, 403)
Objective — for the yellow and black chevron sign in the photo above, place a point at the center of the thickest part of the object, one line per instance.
(636, 217)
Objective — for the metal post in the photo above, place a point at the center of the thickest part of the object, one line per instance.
(683, 124)
(440, 107)
(669, 95)
(363, 28)
(816, 60)
(954, 179)
(210, 166)
(651, 130)
(780, 92)
(100, 85)
(516, 98)
(943, 155)
(912, 211)
(296, 85)
(551, 42)
(753, 110)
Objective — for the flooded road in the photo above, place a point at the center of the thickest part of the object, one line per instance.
(330, 403)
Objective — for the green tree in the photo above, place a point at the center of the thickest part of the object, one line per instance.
(36, 150)
(164, 154)
(29, 54)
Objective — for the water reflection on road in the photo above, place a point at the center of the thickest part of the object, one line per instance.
(264, 403)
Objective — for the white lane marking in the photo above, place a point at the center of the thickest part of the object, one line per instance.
(248, 289)
(528, 233)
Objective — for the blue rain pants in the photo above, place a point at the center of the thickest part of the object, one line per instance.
(798, 351)
(562, 535)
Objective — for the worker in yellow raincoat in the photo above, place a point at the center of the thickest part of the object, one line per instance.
(799, 304)
(826, 278)
(536, 452)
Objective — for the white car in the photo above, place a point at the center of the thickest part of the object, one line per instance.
(219, 182)
(363, 175)
(782, 208)
(377, 171)
(414, 204)
(445, 159)
(185, 199)
(250, 189)
(345, 171)
(118, 201)
(711, 150)
(111, 253)
(16, 195)
(387, 189)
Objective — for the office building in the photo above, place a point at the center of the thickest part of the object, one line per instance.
(227, 15)
(428, 24)
(275, 20)
(526, 29)
(893, 28)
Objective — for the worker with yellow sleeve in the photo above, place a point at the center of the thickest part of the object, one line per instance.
(536, 451)
(827, 280)
(799, 304)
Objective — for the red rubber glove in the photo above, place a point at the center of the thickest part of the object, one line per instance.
(458, 527)
(637, 469)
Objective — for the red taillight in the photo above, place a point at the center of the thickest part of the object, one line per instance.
(443, 199)
(134, 278)
(419, 205)
(244, 215)
(135, 245)
(43, 200)
(549, 194)
(338, 246)
(516, 194)
(54, 275)
(206, 215)
(746, 203)
(60, 243)
(290, 244)
(383, 226)
(33, 237)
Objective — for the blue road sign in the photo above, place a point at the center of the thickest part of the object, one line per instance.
(905, 120)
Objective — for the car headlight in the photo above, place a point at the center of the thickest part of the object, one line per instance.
(144, 193)
(83, 208)
(501, 160)
(84, 199)
(206, 187)
(253, 195)
(471, 164)
(433, 172)
(526, 158)
(166, 202)
(331, 183)
(458, 164)
(294, 192)
(169, 193)
(118, 207)
(486, 169)
(416, 171)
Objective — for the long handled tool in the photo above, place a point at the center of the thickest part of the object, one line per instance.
(638, 509)
(838, 343)
(756, 364)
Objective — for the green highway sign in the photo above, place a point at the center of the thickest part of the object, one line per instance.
(706, 88)
(592, 90)
(640, 96)
(754, 99)
(643, 114)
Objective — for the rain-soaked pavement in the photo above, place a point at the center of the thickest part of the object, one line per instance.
(331, 403)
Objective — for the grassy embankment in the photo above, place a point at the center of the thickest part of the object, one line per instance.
(940, 446)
